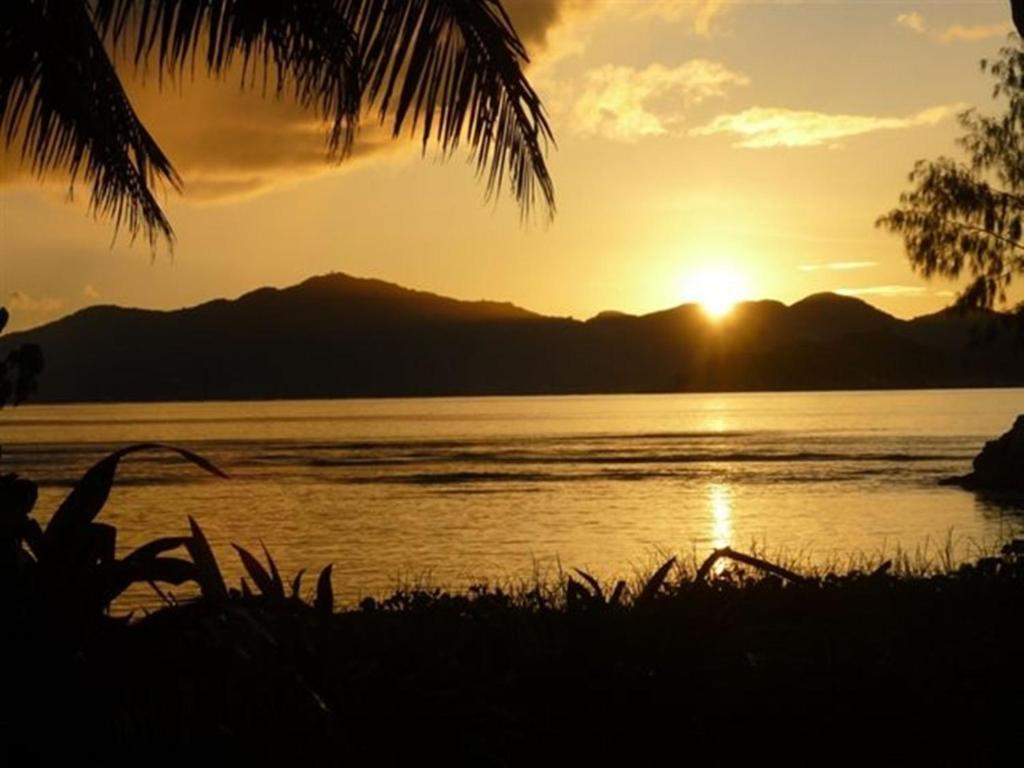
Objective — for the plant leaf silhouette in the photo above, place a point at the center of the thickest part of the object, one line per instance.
(594, 584)
(256, 571)
(297, 584)
(968, 217)
(208, 575)
(151, 549)
(653, 585)
(450, 70)
(324, 591)
(87, 498)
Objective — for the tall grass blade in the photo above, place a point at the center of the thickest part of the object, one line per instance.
(208, 575)
(297, 583)
(275, 575)
(617, 593)
(576, 594)
(653, 585)
(594, 584)
(264, 583)
(325, 591)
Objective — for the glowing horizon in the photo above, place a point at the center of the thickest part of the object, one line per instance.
(685, 143)
(717, 288)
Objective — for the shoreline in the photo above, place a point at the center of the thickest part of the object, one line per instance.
(39, 399)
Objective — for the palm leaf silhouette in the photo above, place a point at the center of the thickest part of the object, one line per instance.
(449, 71)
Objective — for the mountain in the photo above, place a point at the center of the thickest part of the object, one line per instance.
(341, 336)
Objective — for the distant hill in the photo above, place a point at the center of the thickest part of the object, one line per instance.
(341, 336)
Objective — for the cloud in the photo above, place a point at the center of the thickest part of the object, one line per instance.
(19, 301)
(90, 292)
(960, 32)
(913, 21)
(228, 142)
(700, 13)
(884, 290)
(534, 19)
(626, 104)
(762, 127)
(839, 266)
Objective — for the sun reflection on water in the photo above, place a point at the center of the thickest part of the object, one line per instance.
(720, 504)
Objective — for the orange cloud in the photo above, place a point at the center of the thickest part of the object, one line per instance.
(764, 127)
(840, 266)
(19, 301)
(227, 141)
(626, 104)
(884, 290)
(972, 33)
(915, 22)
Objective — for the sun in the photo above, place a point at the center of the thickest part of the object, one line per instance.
(716, 288)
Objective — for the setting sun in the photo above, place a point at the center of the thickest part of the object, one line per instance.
(717, 289)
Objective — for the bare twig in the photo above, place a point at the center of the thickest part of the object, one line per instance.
(756, 562)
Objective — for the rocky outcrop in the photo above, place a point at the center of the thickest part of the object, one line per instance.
(1000, 465)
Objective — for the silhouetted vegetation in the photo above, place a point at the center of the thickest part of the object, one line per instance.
(448, 71)
(18, 369)
(999, 467)
(968, 217)
(737, 657)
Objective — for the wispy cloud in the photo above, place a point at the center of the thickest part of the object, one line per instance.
(884, 290)
(915, 22)
(700, 13)
(838, 266)
(626, 104)
(19, 301)
(961, 32)
(762, 127)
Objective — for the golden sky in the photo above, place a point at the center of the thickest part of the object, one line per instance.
(758, 138)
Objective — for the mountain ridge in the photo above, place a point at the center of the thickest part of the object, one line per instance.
(336, 335)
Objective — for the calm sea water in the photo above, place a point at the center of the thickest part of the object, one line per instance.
(463, 490)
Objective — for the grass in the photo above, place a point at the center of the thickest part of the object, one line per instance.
(910, 658)
(867, 664)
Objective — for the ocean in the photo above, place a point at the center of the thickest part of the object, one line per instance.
(456, 491)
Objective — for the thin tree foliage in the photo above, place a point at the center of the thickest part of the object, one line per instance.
(447, 71)
(966, 217)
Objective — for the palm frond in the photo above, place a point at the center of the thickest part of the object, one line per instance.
(457, 65)
(450, 70)
(62, 100)
(305, 45)
(453, 68)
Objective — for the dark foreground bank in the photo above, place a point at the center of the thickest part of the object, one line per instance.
(743, 664)
(746, 661)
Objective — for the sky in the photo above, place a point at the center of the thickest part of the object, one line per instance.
(745, 147)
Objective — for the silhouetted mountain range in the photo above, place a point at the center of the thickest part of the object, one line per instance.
(341, 336)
